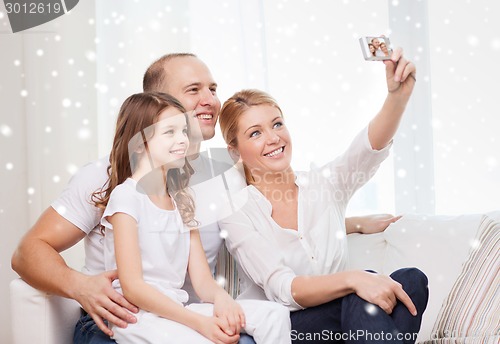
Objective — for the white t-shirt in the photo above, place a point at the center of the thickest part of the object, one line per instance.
(163, 240)
(211, 184)
(269, 256)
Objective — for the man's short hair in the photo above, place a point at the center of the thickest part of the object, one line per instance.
(155, 77)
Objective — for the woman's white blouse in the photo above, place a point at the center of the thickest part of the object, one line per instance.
(270, 257)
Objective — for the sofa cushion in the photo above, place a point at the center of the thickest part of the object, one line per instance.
(38, 317)
(471, 312)
(366, 251)
(437, 245)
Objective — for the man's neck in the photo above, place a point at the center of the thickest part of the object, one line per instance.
(194, 151)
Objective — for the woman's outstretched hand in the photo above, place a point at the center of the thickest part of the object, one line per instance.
(400, 73)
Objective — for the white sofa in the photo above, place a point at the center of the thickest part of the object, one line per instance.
(438, 245)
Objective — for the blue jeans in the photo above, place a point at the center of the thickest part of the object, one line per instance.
(87, 332)
(351, 319)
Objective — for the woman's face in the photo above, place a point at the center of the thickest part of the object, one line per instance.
(264, 143)
(383, 47)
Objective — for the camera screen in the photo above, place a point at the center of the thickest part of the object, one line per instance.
(376, 48)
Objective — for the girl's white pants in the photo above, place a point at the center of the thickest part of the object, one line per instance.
(267, 322)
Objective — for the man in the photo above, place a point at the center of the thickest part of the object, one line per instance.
(72, 217)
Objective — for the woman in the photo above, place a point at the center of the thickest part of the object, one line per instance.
(288, 234)
(384, 49)
(372, 49)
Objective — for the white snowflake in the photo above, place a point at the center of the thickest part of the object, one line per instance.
(113, 102)
(154, 25)
(495, 44)
(66, 103)
(90, 55)
(221, 281)
(492, 161)
(475, 243)
(84, 133)
(401, 173)
(6, 130)
(340, 234)
(472, 40)
(71, 168)
(371, 309)
(61, 210)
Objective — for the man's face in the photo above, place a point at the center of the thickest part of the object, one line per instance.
(190, 81)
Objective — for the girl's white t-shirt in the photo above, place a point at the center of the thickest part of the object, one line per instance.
(163, 240)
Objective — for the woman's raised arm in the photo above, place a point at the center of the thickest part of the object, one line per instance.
(400, 74)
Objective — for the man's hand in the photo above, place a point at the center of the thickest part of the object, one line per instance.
(102, 302)
(369, 224)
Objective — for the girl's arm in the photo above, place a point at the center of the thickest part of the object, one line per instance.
(400, 74)
(208, 290)
(145, 296)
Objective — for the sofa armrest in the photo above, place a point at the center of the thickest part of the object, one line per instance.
(38, 317)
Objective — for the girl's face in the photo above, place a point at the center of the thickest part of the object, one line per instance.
(372, 48)
(264, 143)
(169, 143)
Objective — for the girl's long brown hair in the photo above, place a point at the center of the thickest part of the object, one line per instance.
(138, 112)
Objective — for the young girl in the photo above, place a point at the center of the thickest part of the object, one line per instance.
(149, 237)
(289, 235)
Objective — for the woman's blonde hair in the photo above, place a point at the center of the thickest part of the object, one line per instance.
(234, 108)
(139, 112)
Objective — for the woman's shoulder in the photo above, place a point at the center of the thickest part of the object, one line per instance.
(242, 202)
